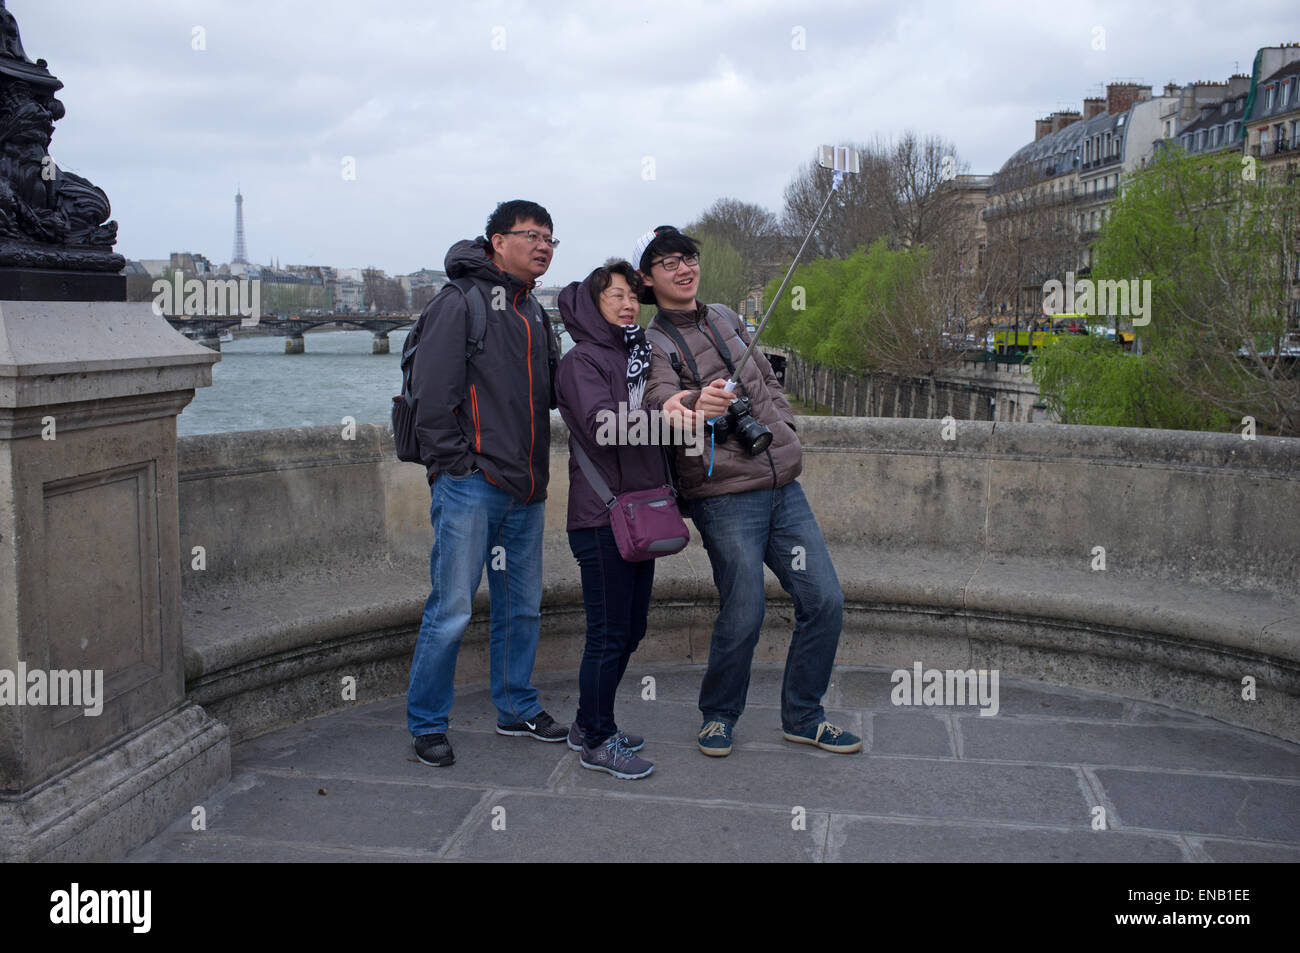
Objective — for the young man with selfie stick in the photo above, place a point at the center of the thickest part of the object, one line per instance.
(744, 493)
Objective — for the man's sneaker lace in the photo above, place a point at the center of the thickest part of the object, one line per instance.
(829, 738)
(715, 739)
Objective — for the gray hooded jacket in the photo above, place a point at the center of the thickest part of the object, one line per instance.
(491, 411)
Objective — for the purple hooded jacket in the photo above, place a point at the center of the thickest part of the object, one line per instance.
(592, 377)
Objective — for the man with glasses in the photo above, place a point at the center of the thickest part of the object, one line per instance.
(483, 388)
(748, 507)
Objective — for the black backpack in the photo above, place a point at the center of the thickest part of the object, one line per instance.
(404, 440)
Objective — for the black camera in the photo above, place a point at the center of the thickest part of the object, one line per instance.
(739, 419)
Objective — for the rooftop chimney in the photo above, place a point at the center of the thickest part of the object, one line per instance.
(1120, 97)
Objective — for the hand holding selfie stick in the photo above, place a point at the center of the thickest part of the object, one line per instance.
(840, 160)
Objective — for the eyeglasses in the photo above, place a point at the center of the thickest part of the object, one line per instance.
(672, 261)
(534, 237)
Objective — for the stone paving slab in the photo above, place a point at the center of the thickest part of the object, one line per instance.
(621, 829)
(1191, 747)
(873, 688)
(1238, 852)
(375, 751)
(350, 814)
(211, 848)
(1196, 804)
(911, 732)
(933, 784)
(868, 840)
(773, 776)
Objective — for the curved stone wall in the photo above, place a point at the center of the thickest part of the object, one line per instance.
(981, 551)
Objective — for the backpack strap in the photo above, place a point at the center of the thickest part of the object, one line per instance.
(731, 317)
(477, 315)
(719, 344)
(473, 340)
(659, 332)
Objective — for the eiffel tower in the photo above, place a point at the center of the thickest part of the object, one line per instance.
(240, 255)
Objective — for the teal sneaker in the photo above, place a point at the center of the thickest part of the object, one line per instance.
(829, 738)
(715, 739)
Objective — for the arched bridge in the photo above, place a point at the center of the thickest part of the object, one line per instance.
(208, 330)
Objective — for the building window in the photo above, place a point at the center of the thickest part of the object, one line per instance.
(1263, 141)
(1285, 94)
(1268, 97)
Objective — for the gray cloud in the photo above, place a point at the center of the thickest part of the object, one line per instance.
(442, 125)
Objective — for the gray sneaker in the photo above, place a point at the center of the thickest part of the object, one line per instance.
(613, 758)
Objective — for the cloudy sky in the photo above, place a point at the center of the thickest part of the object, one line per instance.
(615, 116)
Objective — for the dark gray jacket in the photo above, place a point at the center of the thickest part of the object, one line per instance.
(493, 410)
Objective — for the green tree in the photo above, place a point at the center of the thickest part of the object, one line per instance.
(724, 277)
(1218, 247)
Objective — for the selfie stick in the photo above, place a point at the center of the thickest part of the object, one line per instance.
(840, 160)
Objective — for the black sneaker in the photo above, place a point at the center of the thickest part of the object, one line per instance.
(542, 727)
(434, 750)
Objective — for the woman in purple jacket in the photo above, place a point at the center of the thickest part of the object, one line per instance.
(605, 372)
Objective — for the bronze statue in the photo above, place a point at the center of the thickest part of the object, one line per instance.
(49, 218)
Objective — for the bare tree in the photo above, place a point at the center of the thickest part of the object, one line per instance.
(750, 229)
(857, 215)
(385, 293)
(923, 209)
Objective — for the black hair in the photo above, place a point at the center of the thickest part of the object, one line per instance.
(667, 241)
(508, 214)
(600, 278)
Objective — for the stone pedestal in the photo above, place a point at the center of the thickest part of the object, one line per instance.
(294, 344)
(379, 343)
(90, 567)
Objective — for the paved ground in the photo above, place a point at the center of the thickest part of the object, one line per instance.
(936, 784)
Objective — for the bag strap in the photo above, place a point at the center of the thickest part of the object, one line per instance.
(607, 496)
(593, 477)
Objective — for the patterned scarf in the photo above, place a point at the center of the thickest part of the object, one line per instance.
(638, 364)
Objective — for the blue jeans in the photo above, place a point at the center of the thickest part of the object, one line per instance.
(474, 523)
(617, 597)
(741, 532)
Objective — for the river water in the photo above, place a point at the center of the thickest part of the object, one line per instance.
(256, 386)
